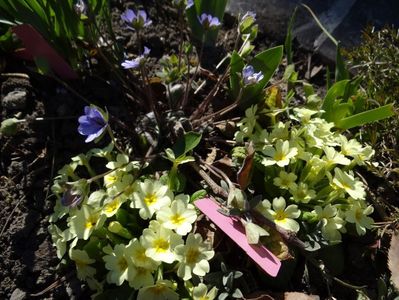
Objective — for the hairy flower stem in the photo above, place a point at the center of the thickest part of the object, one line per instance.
(222, 111)
(204, 104)
(111, 134)
(150, 96)
(190, 80)
(181, 24)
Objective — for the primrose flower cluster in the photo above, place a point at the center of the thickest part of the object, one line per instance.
(121, 231)
(308, 174)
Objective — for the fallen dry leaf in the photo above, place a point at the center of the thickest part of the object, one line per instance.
(393, 259)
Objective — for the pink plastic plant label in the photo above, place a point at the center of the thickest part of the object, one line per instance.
(235, 230)
(37, 46)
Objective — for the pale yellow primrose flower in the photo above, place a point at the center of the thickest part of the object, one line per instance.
(247, 124)
(333, 157)
(85, 221)
(348, 183)
(358, 215)
(58, 239)
(150, 196)
(112, 205)
(118, 181)
(160, 242)
(143, 265)
(119, 265)
(280, 214)
(280, 155)
(302, 193)
(200, 292)
(179, 216)
(349, 148)
(82, 261)
(280, 131)
(123, 163)
(331, 222)
(193, 257)
(163, 289)
(285, 180)
(303, 115)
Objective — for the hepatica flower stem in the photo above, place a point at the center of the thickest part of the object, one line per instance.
(149, 95)
(111, 134)
(191, 79)
(181, 24)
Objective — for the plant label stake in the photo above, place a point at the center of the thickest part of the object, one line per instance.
(37, 47)
(234, 229)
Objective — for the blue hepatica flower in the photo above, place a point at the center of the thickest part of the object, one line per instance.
(208, 21)
(189, 4)
(135, 63)
(248, 14)
(137, 20)
(249, 76)
(92, 123)
(71, 198)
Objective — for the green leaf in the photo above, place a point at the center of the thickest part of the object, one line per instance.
(186, 143)
(198, 195)
(336, 91)
(288, 39)
(184, 160)
(366, 117)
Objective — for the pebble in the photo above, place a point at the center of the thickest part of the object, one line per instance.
(18, 294)
(15, 100)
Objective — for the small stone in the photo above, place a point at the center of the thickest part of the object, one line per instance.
(15, 100)
(17, 294)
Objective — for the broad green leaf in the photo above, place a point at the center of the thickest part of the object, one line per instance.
(186, 143)
(341, 110)
(336, 91)
(366, 117)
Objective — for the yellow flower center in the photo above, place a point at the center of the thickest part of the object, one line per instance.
(358, 215)
(161, 245)
(279, 156)
(91, 222)
(177, 219)
(112, 206)
(192, 256)
(280, 215)
(150, 199)
(80, 264)
(140, 255)
(158, 289)
(122, 263)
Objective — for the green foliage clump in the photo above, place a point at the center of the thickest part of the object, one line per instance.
(376, 61)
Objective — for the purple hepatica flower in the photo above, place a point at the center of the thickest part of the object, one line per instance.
(209, 22)
(189, 4)
(249, 75)
(137, 20)
(249, 14)
(92, 123)
(71, 198)
(135, 63)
